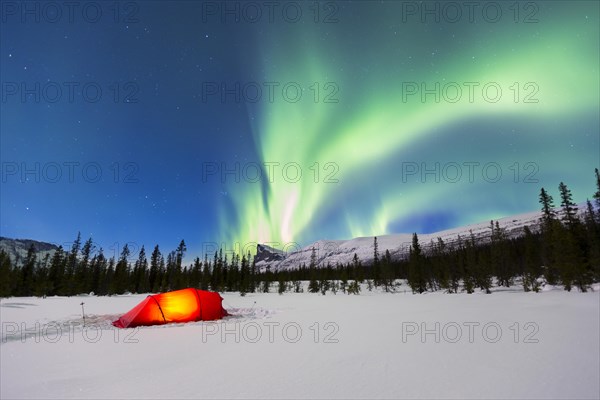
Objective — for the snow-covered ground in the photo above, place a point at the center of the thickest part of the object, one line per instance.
(508, 344)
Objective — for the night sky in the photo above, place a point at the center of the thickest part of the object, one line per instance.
(153, 122)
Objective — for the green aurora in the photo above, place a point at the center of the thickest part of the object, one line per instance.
(373, 58)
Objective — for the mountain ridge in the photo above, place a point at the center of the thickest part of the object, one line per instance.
(335, 252)
(17, 248)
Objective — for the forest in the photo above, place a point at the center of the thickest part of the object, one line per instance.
(563, 248)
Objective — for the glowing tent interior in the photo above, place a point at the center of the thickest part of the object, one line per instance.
(184, 305)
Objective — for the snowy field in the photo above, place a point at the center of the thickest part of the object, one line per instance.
(508, 344)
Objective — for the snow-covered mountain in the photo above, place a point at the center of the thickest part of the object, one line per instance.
(17, 248)
(342, 251)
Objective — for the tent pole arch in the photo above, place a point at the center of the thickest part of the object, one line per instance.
(160, 308)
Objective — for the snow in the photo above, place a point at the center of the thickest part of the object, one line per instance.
(364, 347)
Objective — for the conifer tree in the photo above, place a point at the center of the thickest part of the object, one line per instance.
(140, 279)
(71, 265)
(5, 274)
(313, 285)
(569, 208)
(416, 278)
(267, 280)
(482, 276)
(358, 269)
(81, 277)
(281, 284)
(597, 194)
(253, 273)
(353, 288)
(548, 213)
(532, 269)
(110, 277)
(26, 280)
(593, 238)
(40, 277)
(120, 280)
(244, 276)
(549, 229)
(298, 286)
(153, 275)
(376, 264)
(387, 272)
(499, 256)
(206, 274)
(98, 273)
(56, 273)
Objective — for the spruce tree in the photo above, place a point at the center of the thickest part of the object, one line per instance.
(532, 269)
(281, 284)
(244, 276)
(569, 208)
(56, 273)
(592, 225)
(548, 213)
(69, 279)
(597, 194)
(98, 272)
(416, 278)
(549, 229)
(120, 281)
(266, 280)
(140, 281)
(313, 285)
(481, 274)
(500, 257)
(253, 273)
(153, 275)
(25, 287)
(387, 272)
(376, 264)
(353, 288)
(40, 277)
(5, 274)
(206, 274)
(313, 258)
(358, 269)
(109, 277)
(81, 274)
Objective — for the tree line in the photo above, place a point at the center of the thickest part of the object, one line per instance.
(563, 248)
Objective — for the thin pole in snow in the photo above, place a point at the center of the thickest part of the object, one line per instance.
(83, 312)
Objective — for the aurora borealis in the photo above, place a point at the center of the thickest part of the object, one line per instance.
(387, 93)
(377, 129)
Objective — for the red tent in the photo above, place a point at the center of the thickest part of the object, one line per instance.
(184, 305)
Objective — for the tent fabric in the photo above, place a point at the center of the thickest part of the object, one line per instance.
(184, 305)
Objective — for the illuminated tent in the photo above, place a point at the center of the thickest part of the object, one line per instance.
(184, 305)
